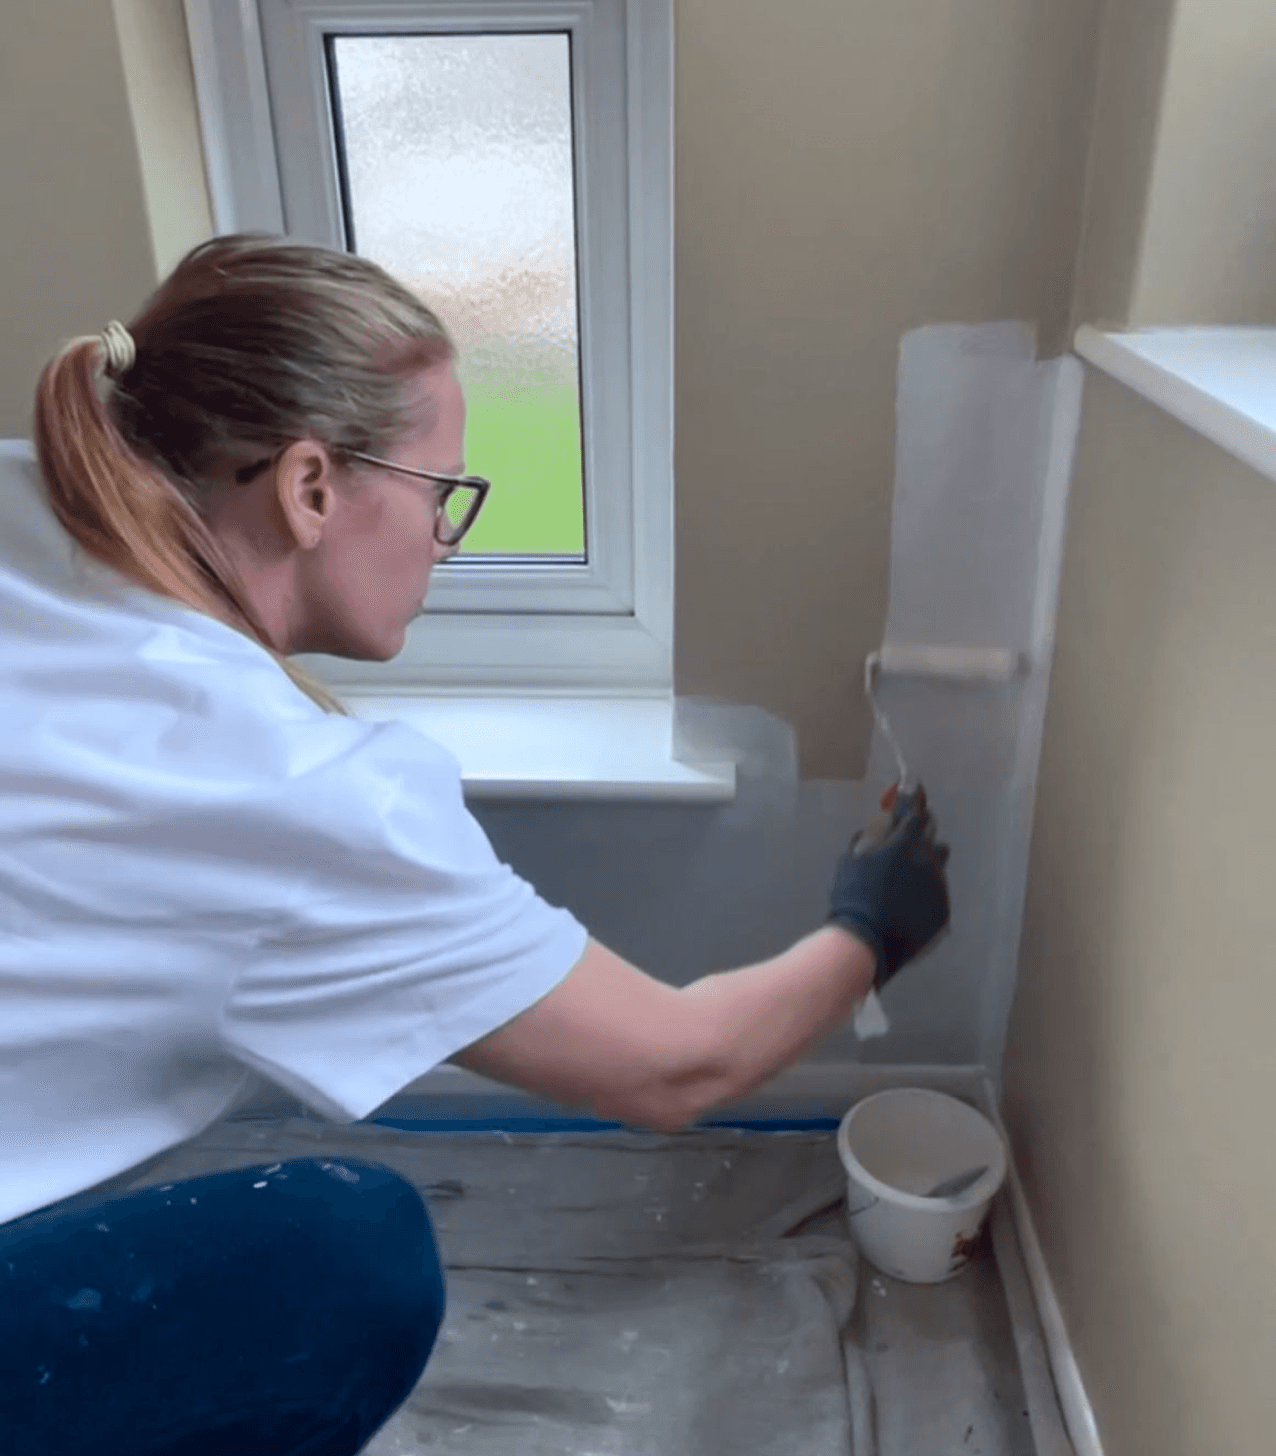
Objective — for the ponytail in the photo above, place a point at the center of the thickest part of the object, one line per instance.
(252, 342)
(124, 511)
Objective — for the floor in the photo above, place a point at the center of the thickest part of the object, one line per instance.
(697, 1294)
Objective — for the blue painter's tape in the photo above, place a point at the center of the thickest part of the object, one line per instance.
(494, 1124)
(586, 1124)
(781, 1124)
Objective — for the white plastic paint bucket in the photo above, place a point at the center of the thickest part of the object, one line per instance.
(895, 1147)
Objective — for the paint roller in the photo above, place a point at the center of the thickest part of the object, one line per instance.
(962, 666)
(971, 666)
(967, 666)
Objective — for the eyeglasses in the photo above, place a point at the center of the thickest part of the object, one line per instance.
(460, 497)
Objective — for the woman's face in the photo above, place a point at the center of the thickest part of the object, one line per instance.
(367, 575)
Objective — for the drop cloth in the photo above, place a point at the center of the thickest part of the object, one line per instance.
(694, 1294)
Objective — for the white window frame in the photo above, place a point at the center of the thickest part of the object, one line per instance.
(606, 626)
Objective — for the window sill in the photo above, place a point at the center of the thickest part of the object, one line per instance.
(558, 747)
(1220, 382)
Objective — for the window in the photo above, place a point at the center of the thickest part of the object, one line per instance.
(455, 159)
(513, 163)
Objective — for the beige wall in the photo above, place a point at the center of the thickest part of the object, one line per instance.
(1209, 251)
(839, 181)
(73, 229)
(1180, 215)
(1133, 55)
(845, 172)
(1141, 1077)
(1139, 1065)
(161, 94)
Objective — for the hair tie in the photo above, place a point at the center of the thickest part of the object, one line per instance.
(121, 351)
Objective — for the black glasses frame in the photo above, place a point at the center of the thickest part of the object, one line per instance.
(447, 484)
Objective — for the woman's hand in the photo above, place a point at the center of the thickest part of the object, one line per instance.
(890, 889)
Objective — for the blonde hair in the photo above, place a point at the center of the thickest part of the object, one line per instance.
(251, 343)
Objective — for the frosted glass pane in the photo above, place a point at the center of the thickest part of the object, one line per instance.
(459, 180)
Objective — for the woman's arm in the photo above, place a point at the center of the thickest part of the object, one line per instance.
(633, 1048)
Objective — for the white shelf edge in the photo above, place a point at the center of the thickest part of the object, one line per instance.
(1206, 410)
(558, 746)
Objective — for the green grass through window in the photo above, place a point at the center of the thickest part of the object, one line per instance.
(526, 440)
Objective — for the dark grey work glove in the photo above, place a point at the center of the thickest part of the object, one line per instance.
(890, 889)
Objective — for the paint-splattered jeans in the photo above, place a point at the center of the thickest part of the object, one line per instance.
(281, 1311)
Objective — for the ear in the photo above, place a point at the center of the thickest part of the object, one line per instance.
(305, 486)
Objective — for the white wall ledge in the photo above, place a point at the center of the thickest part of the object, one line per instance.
(559, 747)
(1220, 382)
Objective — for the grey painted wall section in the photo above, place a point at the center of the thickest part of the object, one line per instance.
(684, 890)
(681, 891)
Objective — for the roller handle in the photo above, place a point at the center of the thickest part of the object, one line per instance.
(896, 806)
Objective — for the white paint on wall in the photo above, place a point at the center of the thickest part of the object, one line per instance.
(983, 460)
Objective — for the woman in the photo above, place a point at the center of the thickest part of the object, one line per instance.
(207, 871)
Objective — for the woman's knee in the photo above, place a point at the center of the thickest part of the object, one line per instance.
(380, 1237)
(316, 1283)
(383, 1244)
(339, 1246)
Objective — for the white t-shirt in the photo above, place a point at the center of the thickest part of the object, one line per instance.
(204, 876)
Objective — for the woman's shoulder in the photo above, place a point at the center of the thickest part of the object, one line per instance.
(125, 671)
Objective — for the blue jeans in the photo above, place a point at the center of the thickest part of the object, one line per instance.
(281, 1311)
